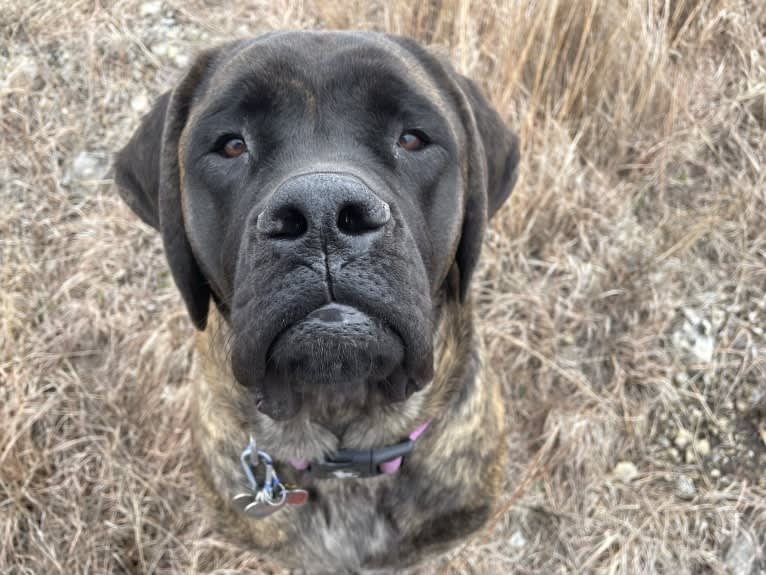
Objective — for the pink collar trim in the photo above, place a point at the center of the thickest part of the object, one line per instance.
(386, 468)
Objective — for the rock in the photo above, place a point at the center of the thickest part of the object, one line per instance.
(23, 75)
(517, 539)
(685, 488)
(160, 49)
(718, 317)
(715, 473)
(625, 471)
(139, 103)
(695, 337)
(151, 8)
(702, 447)
(742, 405)
(88, 166)
(683, 438)
(181, 60)
(741, 555)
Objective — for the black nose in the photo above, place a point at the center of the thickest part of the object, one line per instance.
(339, 206)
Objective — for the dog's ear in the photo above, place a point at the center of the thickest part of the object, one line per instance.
(493, 167)
(148, 179)
(137, 166)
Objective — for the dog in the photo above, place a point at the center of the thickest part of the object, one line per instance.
(329, 193)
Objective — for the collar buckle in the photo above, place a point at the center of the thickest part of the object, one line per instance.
(354, 463)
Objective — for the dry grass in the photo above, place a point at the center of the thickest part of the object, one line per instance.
(637, 227)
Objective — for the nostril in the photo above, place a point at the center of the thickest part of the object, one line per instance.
(360, 218)
(293, 222)
(350, 220)
(285, 222)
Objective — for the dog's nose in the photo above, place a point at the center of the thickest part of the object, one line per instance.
(338, 206)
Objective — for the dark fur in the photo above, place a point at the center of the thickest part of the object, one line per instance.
(317, 108)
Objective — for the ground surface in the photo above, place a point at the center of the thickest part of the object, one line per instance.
(622, 295)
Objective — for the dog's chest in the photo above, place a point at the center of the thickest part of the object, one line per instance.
(345, 529)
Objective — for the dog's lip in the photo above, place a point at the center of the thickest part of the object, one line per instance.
(334, 312)
(329, 313)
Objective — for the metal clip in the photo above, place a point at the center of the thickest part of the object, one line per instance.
(272, 495)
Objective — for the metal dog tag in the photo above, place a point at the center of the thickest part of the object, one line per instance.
(272, 495)
(296, 496)
(263, 505)
(241, 500)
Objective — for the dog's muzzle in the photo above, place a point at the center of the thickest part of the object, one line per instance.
(320, 245)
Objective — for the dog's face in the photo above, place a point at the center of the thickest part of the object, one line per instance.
(328, 190)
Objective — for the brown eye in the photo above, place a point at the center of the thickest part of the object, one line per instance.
(234, 148)
(412, 141)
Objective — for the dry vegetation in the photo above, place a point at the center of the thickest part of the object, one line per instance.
(622, 296)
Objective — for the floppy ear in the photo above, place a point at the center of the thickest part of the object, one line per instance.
(493, 163)
(148, 179)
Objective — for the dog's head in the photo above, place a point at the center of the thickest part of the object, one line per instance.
(321, 188)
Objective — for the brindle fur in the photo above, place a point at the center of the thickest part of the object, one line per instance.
(446, 489)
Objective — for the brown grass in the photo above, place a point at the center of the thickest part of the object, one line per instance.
(640, 213)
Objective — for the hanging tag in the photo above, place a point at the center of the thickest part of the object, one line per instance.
(296, 496)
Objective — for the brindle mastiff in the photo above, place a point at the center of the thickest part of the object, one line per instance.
(329, 192)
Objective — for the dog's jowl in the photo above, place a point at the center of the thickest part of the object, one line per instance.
(322, 199)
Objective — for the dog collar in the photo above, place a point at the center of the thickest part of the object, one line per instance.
(260, 501)
(356, 463)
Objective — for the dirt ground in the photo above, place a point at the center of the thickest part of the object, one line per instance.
(622, 295)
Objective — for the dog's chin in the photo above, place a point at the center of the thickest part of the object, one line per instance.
(337, 352)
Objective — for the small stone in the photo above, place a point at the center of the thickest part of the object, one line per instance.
(673, 453)
(715, 473)
(160, 49)
(763, 434)
(685, 487)
(690, 456)
(741, 405)
(756, 397)
(694, 337)
(717, 317)
(139, 103)
(88, 166)
(181, 60)
(683, 438)
(625, 471)
(517, 539)
(702, 447)
(741, 555)
(151, 8)
(23, 75)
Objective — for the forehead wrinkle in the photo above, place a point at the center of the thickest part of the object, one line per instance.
(241, 67)
(425, 83)
(217, 82)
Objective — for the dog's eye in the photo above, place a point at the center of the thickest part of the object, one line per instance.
(412, 140)
(234, 147)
